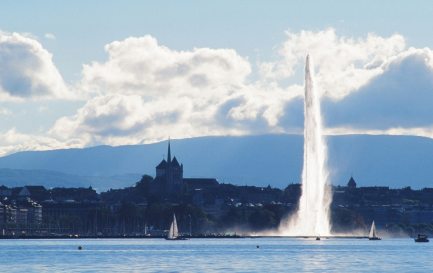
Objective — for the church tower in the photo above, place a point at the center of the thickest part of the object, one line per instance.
(351, 184)
(169, 174)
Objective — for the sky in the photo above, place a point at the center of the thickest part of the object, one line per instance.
(86, 73)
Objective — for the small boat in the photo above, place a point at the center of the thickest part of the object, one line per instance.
(373, 235)
(421, 238)
(173, 233)
(317, 238)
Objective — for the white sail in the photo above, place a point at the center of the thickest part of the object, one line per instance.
(372, 231)
(173, 232)
(170, 232)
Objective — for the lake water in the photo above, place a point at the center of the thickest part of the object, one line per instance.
(216, 255)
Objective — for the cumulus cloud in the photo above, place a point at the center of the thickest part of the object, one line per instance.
(145, 91)
(139, 65)
(128, 119)
(27, 69)
(342, 64)
(14, 141)
(401, 97)
(396, 102)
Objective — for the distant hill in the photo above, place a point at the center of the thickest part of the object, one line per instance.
(50, 179)
(394, 161)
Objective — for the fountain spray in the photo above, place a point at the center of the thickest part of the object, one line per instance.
(312, 217)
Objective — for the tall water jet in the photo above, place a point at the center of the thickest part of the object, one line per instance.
(312, 217)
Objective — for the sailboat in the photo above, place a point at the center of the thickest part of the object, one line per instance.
(173, 233)
(373, 234)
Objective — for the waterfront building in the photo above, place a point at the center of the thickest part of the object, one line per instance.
(32, 211)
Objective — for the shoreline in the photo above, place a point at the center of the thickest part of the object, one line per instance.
(66, 237)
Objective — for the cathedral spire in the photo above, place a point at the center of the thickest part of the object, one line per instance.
(169, 152)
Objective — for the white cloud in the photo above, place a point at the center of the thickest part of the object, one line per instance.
(401, 97)
(142, 66)
(27, 70)
(397, 131)
(129, 119)
(146, 92)
(50, 36)
(342, 64)
(13, 141)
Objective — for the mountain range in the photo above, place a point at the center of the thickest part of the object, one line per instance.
(276, 160)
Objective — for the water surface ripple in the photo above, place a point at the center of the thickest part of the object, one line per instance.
(216, 255)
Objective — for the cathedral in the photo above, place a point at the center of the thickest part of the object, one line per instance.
(169, 174)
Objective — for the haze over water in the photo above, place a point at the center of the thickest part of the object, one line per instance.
(312, 218)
